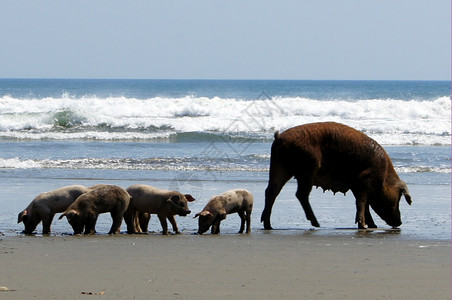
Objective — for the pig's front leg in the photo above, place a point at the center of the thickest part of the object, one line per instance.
(46, 222)
(164, 224)
(172, 220)
(215, 227)
(90, 226)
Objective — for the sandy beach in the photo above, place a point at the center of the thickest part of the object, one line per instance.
(302, 264)
(205, 137)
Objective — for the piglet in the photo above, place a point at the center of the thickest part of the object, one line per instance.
(147, 200)
(46, 205)
(83, 213)
(233, 201)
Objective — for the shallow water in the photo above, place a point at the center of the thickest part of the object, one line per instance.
(427, 218)
(205, 137)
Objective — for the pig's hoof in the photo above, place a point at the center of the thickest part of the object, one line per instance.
(315, 223)
(28, 233)
(267, 225)
(361, 226)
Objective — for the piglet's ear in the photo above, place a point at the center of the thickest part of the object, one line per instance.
(71, 214)
(189, 198)
(21, 216)
(206, 213)
(68, 214)
(174, 198)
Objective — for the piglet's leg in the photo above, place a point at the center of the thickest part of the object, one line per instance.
(164, 224)
(90, 225)
(248, 221)
(172, 220)
(216, 226)
(242, 220)
(130, 217)
(46, 222)
(144, 219)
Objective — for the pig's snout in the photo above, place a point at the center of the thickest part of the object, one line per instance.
(185, 212)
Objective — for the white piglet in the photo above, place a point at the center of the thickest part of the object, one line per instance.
(233, 201)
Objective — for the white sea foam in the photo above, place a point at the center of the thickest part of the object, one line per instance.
(15, 163)
(389, 121)
(170, 164)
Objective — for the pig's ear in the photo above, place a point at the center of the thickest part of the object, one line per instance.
(174, 198)
(189, 198)
(21, 216)
(71, 214)
(222, 215)
(62, 215)
(206, 213)
(68, 214)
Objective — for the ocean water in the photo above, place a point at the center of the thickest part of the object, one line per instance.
(206, 136)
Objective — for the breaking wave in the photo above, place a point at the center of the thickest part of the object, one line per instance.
(389, 121)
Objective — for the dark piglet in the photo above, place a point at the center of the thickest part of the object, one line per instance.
(83, 213)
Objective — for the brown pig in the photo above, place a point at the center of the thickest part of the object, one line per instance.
(83, 213)
(46, 205)
(339, 158)
(148, 200)
(233, 201)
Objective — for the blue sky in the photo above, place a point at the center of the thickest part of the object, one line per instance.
(327, 39)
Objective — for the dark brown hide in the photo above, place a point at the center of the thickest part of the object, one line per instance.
(339, 158)
(83, 213)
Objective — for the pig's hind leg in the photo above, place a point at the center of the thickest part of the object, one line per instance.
(242, 220)
(117, 220)
(369, 220)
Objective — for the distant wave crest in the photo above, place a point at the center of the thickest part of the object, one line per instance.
(389, 121)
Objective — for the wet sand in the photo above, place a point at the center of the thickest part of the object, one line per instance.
(279, 264)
